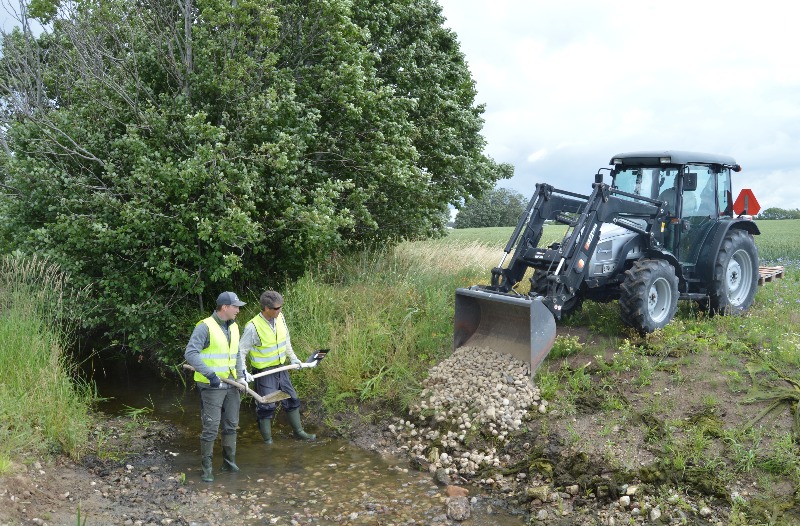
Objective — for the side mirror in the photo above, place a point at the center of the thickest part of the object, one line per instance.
(689, 182)
(598, 177)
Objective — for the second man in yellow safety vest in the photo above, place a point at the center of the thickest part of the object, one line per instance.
(266, 345)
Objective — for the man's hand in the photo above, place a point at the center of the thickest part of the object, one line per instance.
(247, 376)
(295, 361)
(213, 379)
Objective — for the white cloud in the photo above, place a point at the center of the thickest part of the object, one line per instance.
(537, 156)
(583, 80)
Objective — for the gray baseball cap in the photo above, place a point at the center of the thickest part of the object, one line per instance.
(230, 298)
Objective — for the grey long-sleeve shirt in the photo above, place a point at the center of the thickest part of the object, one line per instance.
(200, 339)
(250, 339)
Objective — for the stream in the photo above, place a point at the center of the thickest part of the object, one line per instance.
(328, 481)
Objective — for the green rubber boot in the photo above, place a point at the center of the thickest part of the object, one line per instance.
(229, 453)
(206, 451)
(294, 421)
(265, 426)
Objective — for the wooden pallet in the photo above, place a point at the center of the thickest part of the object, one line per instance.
(766, 274)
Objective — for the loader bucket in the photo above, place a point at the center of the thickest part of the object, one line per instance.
(520, 326)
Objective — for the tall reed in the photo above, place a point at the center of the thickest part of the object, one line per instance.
(43, 408)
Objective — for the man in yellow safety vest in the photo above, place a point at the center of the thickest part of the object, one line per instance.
(266, 345)
(213, 352)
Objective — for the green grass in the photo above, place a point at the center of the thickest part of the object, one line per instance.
(498, 236)
(42, 408)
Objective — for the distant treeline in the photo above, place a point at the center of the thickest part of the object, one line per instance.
(779, 213)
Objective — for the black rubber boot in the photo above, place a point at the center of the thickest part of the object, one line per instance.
(206, 451)
(265, 426)
(229, 453)
(297, 427)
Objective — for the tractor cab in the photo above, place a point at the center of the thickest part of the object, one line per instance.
(695, 187)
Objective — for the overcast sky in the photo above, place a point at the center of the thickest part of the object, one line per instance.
(568, 84)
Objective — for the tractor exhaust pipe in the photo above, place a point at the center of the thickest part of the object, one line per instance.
(517, 325)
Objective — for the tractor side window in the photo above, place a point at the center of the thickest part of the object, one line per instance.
(702, 201)
(724, 197)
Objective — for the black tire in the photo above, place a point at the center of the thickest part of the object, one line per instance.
(539, 286)
(648, 295)
(735, 277)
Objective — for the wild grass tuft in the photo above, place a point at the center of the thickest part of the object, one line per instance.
(42, 407)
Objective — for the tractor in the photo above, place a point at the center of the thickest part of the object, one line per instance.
(665, 228)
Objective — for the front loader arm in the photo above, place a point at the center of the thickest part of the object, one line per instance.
(547, 203)
(568, 263)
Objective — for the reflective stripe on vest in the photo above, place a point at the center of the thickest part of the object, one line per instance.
(272, 350)
(219, 356)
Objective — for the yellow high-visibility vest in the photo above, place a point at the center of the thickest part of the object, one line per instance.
(220, 355)
(272, 350)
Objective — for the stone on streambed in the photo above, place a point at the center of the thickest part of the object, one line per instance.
(458, 508)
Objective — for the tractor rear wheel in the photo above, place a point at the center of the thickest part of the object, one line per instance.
(735, 278)
(648, 295)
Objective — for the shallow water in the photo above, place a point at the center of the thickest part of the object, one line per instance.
(328, 481)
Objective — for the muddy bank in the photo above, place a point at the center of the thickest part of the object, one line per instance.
(491, 429)
(126, 479)
(129, 479)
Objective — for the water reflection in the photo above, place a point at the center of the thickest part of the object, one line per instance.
(328, 481)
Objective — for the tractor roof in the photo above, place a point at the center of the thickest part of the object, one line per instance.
(650, 158)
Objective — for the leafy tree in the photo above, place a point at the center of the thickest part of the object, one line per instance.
(163, 151)
(498, 207)
(420, 58)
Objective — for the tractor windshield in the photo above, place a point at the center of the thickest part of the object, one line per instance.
(647, 182)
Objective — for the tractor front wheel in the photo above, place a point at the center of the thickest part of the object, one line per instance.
(735, 278)
(649, 295)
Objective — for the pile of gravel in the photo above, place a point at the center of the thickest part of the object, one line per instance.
(474, 394)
